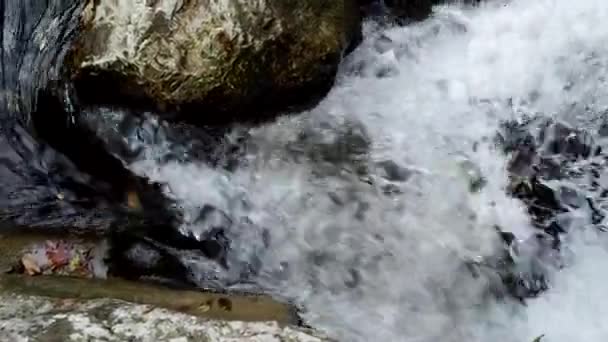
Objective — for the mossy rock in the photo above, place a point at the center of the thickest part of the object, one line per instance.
(205, 57)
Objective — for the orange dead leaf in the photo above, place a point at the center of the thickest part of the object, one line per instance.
(57, 254)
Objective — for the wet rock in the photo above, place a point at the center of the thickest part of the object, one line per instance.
(521, 271)
(133, 136)
(334, 147)
(525, 285)
(416, 9)
(514, 135)
(405, 11)
(53, 174)
(208, 60)
(571, 197)
(558, 138)
(393, 171)
(543, 153)
(212, 222)
(42, 188)
(32, 51)
(91, 168)
(372, 8)
(543, 201)
(138, 216)
(139, 258)
(603, 130)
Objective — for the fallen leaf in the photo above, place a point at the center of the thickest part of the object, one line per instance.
(30, 265)
(75, 263)
(133, 201)
(57, 254)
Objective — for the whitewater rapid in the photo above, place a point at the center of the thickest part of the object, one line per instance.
(367, 266)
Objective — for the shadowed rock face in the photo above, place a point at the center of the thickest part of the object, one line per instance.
(39, 186)
(406, 11)
(210, 59)
(34, 38)
(414, 9)
(54, 172)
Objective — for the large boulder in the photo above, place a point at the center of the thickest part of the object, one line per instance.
(211, 59)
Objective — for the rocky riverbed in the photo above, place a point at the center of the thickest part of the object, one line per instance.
(377, 170)
(33, 318)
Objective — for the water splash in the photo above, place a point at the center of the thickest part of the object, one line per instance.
(366, 209)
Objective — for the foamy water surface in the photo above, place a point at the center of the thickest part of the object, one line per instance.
(367, 266)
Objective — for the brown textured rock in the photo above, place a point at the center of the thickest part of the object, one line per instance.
(211, 56)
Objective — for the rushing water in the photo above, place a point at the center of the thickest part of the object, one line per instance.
(428, 97)
(366, 209)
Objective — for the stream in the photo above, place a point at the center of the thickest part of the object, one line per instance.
(378, 212)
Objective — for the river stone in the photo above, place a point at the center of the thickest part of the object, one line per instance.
(32, 318)
(210, 59)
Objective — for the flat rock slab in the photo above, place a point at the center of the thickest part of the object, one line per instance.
(34, 318)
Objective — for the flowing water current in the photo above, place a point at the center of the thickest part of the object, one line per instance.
(374, 267)
(366, 209)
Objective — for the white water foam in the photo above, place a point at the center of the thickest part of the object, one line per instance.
(367, 266)
(574, 309)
